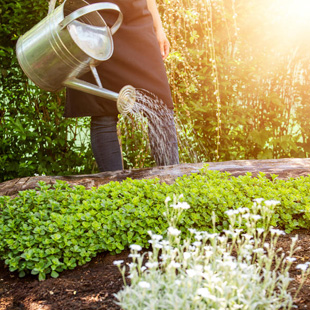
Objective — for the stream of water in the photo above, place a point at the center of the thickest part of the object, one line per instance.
(161, 130)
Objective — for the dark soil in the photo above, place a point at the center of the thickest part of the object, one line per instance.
(92, 286)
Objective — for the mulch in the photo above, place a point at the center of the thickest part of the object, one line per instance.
(93, 285)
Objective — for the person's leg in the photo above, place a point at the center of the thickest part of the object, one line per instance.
(163, 137)
(105, 144)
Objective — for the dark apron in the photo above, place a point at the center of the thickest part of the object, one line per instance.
(136, 61)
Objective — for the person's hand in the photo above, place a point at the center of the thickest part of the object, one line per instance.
(164, 44)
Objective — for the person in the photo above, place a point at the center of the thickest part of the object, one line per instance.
(140, 48)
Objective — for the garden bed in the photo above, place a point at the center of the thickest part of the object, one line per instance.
(92, 286)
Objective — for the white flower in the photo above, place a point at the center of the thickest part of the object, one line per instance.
(277, 232)
(259, 251)
(132, 265)
(192, 273)
(247, 236)
(165, 243)
(294, 239)
(197, 243)
(175, 265)
(157, 237)
(198, 267)
(222, 239)
(231, 212)
(208, 254)
(256, 217)
(164, 257)
(192, 230)
(118, 262)
(244, 210)
(271, 203)
(258, 200)
(167, 199)
(248, 247)
(187, 255)
(134, 255)
(212, 236)
(151, 265)
(135, 247)
(192, 248)
(173, 231)
(182, 206)
(143, 268)
(260, 230)
(204, 292)
(291, 259)
(144, 284)
(303, 267)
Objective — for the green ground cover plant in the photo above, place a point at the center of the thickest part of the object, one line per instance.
(51, 229)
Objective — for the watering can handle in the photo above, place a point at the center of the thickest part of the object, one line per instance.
(92, 8)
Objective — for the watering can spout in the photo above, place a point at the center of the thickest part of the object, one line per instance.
(125, 99)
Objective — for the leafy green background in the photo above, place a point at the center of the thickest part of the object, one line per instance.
(240, 88)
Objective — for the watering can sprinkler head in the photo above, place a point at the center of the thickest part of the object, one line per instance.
(126, 100)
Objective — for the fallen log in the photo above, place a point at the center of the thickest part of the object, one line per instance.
(284, 168)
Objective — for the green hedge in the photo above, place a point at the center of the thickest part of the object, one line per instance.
(48, 230)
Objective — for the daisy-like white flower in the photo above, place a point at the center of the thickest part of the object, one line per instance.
(157, 237)
(192, 273)
(118, 262)
(135, 247)
(259, 251)
(291, 259)
(205, 293)
(151, 265)
(258, 200)
(260, 230)
(134, 255)
(173, 231)
(231, 212)
(244, 210)
(175, 265)
(197, 243)
(271, 203)
(167, 199)
(144, 284)
(302, 267)
(256, 217)
(182, 206)
(187, 255)
(277, 232)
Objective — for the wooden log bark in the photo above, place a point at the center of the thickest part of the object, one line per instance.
(284, 168)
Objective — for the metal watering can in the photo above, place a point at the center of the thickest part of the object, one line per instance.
(70, 41)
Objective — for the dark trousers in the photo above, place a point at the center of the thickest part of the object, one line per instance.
(107, 151)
